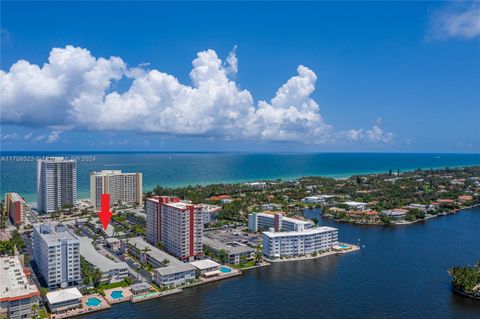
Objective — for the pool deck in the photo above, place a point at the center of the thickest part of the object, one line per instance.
(127, 295)
(221, 276)
(154, 294)
(84, 309)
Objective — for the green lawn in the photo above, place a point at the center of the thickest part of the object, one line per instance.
(244, 265)
(113, 285)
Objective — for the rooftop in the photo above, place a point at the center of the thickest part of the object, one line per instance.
(110, 172)
(170, 270)
(155, 253)
(14, 283)
(88, 251)
(63, 295)
(285, 219)
(231, 249)
(204, 264)
(54, 232)
(15, 197)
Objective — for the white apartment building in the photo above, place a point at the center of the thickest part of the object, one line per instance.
(122, 187)
(17, 292)
(299, 243)
(174, 275)
(56, 183)
(264, 221)
(56, 251)
(112, 271)
(178, 226)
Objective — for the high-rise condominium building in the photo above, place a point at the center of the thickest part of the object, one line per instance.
(56, 251)
(15, 207)
(178, 226)
(56, 183)
(122, 187)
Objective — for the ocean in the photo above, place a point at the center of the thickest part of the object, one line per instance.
(18, 169)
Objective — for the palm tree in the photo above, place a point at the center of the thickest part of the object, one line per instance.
(258, 255)
(96, 277)
(35, 310)
(145, 250)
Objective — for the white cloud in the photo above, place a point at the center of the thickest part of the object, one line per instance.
(28, 136)
(54, 136)
(8, 137)
(231, 62)
(74, 91)
(458, 20)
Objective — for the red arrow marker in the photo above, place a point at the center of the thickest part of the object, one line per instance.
(105, 214)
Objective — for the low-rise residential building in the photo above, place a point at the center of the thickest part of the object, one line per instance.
(169, 271)
(355, 205)
(112, 271)
(205, 265)
(465, 198)
(64, 299)
(113, 243)
(319, 199)
(367, 216)
(235, 252)
(56, 252)
(17, 293)
(140, 288)
(174, 275)
(299, 243)
(15, 208)
(276, 220)
(418, 206)
(147, 253)
(395, 214)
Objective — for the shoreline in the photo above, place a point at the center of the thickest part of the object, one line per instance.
(341, 176)
(463, 293)
(453, 212)
(352, 249)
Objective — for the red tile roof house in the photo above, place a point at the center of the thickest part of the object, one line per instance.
(465, 198)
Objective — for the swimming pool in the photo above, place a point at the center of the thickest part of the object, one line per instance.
(344, 246)
(117, 294)
(225, 269)
(93, 302)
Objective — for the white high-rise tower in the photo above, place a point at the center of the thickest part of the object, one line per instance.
(56, 183)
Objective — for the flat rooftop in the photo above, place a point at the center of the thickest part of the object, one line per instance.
(157, 254)
(287, 219)
(310, 231)
(88, 251)
(14, 283)
(230, 247)
(54, 232)
(204, 264)
(54, 297)
(174, 269)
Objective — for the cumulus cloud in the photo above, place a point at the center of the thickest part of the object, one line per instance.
(8, 137)
(73, 90)
(458, 20)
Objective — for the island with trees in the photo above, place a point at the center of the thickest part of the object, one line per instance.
(466, 280)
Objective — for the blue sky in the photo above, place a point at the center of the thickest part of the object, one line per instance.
(373, 76)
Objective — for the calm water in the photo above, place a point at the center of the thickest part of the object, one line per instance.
(401, 273)
(177, 169)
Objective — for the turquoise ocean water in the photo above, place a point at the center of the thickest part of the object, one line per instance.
(178, 169)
